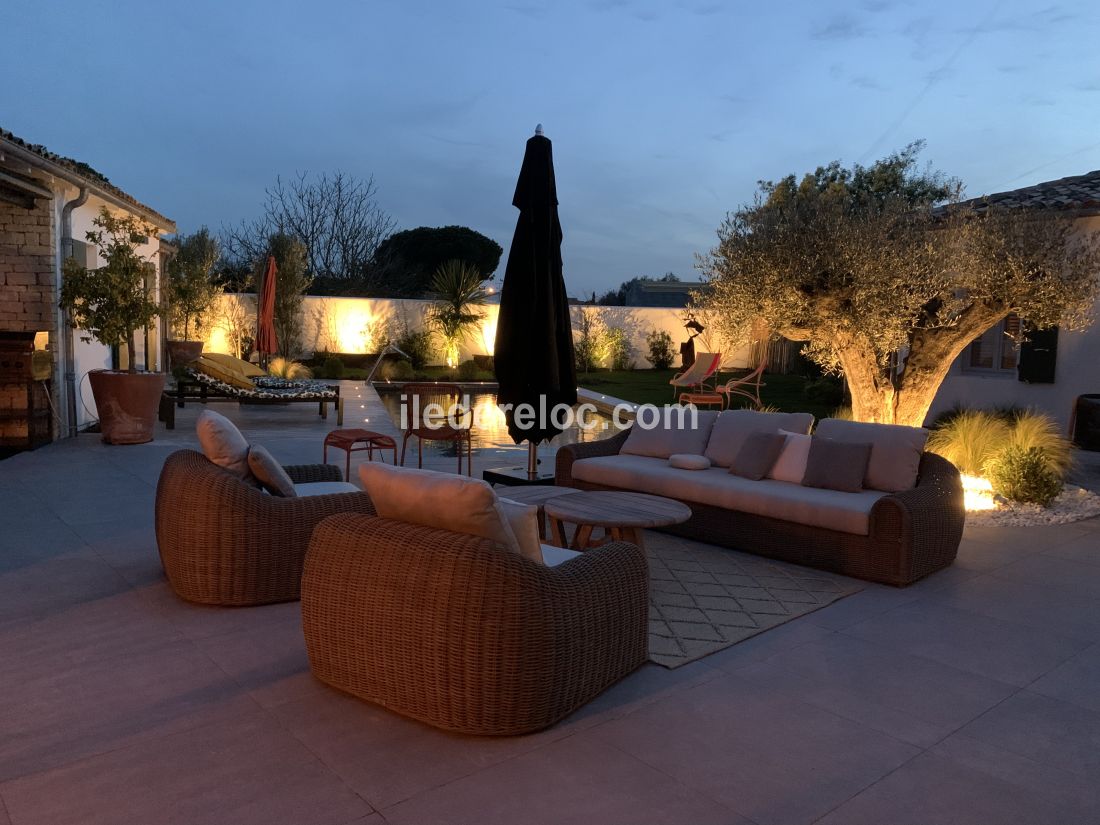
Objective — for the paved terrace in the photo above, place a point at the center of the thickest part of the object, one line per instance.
(972, 697)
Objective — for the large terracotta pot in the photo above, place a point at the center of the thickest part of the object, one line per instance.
(183, 353)
(127, 404)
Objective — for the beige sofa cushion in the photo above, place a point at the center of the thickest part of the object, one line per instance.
(895, 451)
(448, 502)
(224, 444)
(734, 426)
(669, 438)
(269, 472)
(553, 556)
(324, 488)
(830, 509)
(524, 521)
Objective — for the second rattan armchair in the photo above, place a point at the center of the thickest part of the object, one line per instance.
(463, 634)
(224, 542)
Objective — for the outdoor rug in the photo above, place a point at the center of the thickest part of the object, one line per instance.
(703, 599)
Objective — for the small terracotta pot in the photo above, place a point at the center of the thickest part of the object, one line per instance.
(182, 353)
(127, 404)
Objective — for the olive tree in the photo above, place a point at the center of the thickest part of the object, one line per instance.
(190, 281)
(889, 278)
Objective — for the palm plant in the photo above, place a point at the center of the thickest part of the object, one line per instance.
(458, 289)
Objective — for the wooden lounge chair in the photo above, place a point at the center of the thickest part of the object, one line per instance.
(694, 378)
(747, 386)
(193, 385)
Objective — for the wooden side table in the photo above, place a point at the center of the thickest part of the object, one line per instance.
(702, 399)
(347, 439)
(622, 516)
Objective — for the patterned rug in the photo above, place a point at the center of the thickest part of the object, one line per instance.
(703, 599)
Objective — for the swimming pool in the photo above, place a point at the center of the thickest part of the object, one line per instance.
(490, 435)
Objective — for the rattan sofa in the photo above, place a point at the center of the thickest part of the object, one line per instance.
(462, 634)
(224, 542)
(912, 533)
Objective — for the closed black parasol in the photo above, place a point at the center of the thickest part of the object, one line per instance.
(533, 355)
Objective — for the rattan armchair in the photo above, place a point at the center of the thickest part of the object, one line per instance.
(224, 542)
(464, 635)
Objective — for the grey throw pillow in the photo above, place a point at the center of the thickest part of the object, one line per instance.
(836, 465)
(757, 455)
(270, 473)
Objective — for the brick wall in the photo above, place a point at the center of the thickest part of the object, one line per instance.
(27, 282)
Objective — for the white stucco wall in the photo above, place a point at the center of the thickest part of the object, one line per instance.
(1077, 372)
(354, 325)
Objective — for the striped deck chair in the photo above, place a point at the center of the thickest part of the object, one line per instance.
(694, 378)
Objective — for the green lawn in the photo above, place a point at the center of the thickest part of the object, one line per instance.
(786, 392)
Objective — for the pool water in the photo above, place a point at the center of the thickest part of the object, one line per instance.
(491, 430)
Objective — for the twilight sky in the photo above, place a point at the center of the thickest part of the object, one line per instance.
(663, 114)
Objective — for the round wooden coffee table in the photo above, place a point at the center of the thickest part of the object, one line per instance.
(622, 516)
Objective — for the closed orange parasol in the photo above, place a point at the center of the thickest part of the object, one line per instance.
(266, 342)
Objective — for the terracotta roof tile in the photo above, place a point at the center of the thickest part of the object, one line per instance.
(1079, 193)
(83, 170)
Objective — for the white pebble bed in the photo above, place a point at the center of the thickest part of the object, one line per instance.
(1073, 504)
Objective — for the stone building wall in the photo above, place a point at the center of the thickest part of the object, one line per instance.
(27, 268)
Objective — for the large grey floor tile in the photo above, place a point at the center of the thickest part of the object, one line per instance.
(384, 757)
(984, 556)
(770, 758)
(388, 758)
(1027, 603)
(67, 639)
(575, 780)
(1059, 787)
(1084, 549)
(54, 717)
(932, 790)
(56, 583)
(269, 661)
(202, 621)
(1077, 577)
(1046, 730)
(999, 649)
(1076, 680)
(911, 698)
(1039, 538)
(765, 645)
(874, 600)
(240, 772)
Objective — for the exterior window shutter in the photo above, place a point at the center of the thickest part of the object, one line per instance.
(1039, 356)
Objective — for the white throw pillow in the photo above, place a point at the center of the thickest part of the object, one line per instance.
(224, 444)
(687, 461)
(524, 521)
(791, 464)
(448, 502)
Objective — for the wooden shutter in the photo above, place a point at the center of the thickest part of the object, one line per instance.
(1039, 356)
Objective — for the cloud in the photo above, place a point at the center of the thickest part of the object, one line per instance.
(840, 27)
(1087, 86)
(535, 12)
(862, 81)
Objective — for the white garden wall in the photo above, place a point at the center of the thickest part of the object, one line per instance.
(356, 325)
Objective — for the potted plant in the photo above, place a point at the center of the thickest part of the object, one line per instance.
(458, 292)
(110, 304)
(191, 291)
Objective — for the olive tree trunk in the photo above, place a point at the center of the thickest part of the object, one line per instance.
(884, 395)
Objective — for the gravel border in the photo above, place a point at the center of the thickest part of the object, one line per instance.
(1073, 504)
